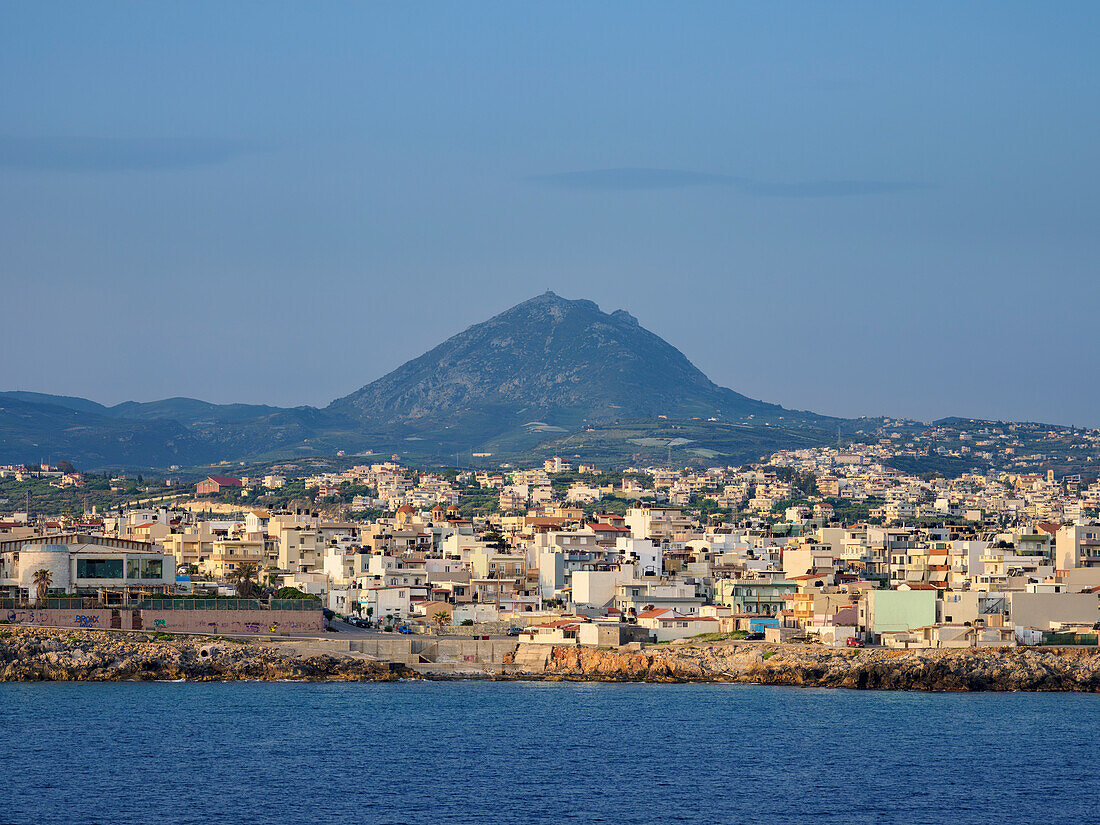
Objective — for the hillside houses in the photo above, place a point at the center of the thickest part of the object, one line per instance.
(669, 552)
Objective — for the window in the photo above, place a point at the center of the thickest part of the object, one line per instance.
(99, 568)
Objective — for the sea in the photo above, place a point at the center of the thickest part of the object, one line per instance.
(538, 752)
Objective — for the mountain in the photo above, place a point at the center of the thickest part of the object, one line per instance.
(72, 429)
(547, 359)
(547, 374)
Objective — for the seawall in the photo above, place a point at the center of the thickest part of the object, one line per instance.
(280, 622)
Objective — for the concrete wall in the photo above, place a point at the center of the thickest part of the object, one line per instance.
(479, 628)
(232, 621)
(595, 587)
(611, 634)
(894, 610)
(93, 619)
(397, 649)
(1040, 609)
(54, 558)
(176, 621)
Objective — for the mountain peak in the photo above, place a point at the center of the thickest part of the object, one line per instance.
(554, 304)
(557, 360)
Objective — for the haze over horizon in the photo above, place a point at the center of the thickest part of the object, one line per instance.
(278, 204)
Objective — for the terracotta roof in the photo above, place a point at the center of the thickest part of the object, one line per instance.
(559, 623)
(225, 481)
(654, 613)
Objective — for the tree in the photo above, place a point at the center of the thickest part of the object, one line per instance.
(244, 577)
(42, 581)
(291, 593)
(440, 618)
(495, 539)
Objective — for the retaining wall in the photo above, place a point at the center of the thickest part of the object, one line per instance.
(484, 651)
(174, 621)
(92, 619)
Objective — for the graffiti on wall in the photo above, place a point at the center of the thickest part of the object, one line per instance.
(86, 621)
(29, 616)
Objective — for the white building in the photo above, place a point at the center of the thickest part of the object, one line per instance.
(80, 563)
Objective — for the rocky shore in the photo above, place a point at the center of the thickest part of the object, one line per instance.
(45, 654)
(1006, 669)
(41, 654)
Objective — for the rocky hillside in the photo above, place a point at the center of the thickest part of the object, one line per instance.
(548, 359)
(50, 655)
(950, 670)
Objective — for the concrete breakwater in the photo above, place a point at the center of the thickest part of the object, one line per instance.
(1004, 669)
(42, 654)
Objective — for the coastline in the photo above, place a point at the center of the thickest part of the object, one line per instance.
(54, 654)
(38, 654)
(953, 670)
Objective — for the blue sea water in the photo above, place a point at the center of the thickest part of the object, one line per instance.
(505, 752)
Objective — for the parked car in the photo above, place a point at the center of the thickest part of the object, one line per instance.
(854, 642)
(404, 629)
(514, 631)
(755, 636)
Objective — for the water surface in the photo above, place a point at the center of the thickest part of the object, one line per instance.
(507, 752)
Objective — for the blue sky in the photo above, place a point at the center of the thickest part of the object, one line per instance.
(855, 208)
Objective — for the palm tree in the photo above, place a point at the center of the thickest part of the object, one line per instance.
(440, 618)
(42, 581)
(244, 576)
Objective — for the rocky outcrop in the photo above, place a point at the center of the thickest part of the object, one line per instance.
(41, 654)
(1044, 669)
(49, 654)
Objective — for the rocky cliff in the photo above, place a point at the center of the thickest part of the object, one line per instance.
(40, 654)
(950, 670)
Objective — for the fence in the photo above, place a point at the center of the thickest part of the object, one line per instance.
(1070, 639)
(54, 603)
(229, 604)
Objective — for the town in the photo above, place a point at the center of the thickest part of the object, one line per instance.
(830, 546)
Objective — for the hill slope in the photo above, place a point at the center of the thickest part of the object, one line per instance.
(552, 360)
(533, 378)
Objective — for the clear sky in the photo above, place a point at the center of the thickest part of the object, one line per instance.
(856, 208)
